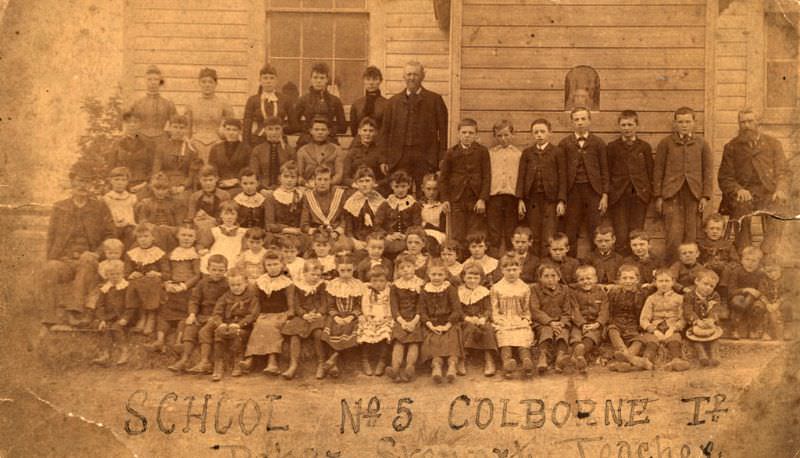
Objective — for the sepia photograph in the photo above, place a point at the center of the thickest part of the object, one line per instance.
(400, 228)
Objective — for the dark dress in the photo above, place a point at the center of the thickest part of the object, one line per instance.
(476, 303)
(307, 298)
(275, 294)
(624, 308)
(344, 300)
(441, 305)
(184, 268)
(404, 301)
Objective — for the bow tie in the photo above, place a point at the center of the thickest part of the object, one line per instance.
(269, 97)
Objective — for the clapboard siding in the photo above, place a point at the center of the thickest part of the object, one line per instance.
(584, 37)
(603, 121)
(538, 78)
(566, 58)
(511, 99)
(588, 14)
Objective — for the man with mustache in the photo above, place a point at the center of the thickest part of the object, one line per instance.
(753, 175)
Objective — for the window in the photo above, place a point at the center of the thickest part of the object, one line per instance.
(782, 59)
(302, 32)
(582, 88)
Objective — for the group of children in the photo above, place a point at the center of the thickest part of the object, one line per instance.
(256, 248)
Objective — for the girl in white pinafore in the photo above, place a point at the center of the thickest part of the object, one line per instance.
(225, 239)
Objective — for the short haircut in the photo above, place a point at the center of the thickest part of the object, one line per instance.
(208, 73)
(585, 268)
(714, 218)
(628, 268)
(378, 272)
(255, 233)
(378, 234)
(628, 114)
(320, 119)
(400, 176)
(312, 264)
(273, 121)
(688, 245)
(217, 259)
(363, 172)
(288, 242)
(428, 177)
(662, 271)
(208, 171)
(119, 172)
(509, 261)
(143, 228)
(468, 122)
(322, 170)
(419, 231)
(232, 122)
(706, 273)
(111, 266)
(436, 263)
(290, 168)
(235, 272)
(523, 230)
(345, 258)
(179, 119)
(683, 111)
(547, 266)
(343, 245)
(321, 68)
(267, 69)
(272, 255)
(578, 110)
(603, 229)
(452, 245)
(406, 258)
(187, 225)
(372, 72)
(228, 206)
(639, 234)
(752, 250)
(502, 124)
(557, 237)
(368, 121)
(542, 121)
(472, 267)
(321, 236)
(113, 244)
(475, 238)
(247, 172)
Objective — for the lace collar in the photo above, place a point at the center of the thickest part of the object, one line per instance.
(285, 196)
(145, 257)
(124, 195)
(184, 254)
(232, 231)
(356, 202)
(396, 203)
(254, 201)
(307, 288)
(412, 285)
(471, 296)
(487, 263)
(349, 288)
(271, 284)
(119, 286)
(431, 288)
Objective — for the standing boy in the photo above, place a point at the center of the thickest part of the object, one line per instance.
(464, 181)
(318, 102)
(503, 205)
(587, 177)
(543, 182)
(630, 168)
(268, 157)
(682, 181)
(230, 156)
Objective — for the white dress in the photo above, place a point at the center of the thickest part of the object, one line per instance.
(511, 313)
(226, 243)
(375, 323)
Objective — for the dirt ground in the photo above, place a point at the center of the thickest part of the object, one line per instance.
(53, 404)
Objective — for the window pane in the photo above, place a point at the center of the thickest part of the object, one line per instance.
(317, 3)
(288, 72)
(318, 35)
(782, 36)
(782, 84)
(284, 34)
(348, 78)
(351, 36)
(351, 4)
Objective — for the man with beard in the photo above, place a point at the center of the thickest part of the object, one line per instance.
(414, 132)
(753, 176)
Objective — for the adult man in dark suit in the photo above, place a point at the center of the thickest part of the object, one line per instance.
(587, 177)
(78, 226)
(753, 175)
(414, 132)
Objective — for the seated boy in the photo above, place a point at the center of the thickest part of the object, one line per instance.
(320, 151)
(376, 242)
(162, 210)
(234, 314)
(589, 315)
(399, 212)
(662, 321)
(323, 206)
(177, 158)
(268, 157)
(685, 268)
(121, 203)
(450, 251)
(641, 257)
(700, 306)
(521, 242)
(318, 102)
(201, 307)
(716, 252)
(113, 315)
(625, 307)
(364, 152)
(464, 182)
(551, 309)
(745, 300)
(558, 247)
(251, 202)
(132, 152)
(230, 156)
(204, 204)
(603, 258)
(476, 243)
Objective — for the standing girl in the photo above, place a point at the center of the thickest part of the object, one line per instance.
(511, 317)
(225, 239)
(375, 324)
(440, 310)
(345, 293)
(266, 103)
(251, 259)
(206, 114)
(153, 110)
(146, 266)
(407, 331)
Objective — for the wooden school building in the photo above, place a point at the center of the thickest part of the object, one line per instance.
(493, 59)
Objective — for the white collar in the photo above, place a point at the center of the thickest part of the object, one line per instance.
(471, 296)
(414, 284)
(431, 288)
(396, 203)
(285, 196)
(308, 288)
(145, 257)
(119, 286)
(270, 284)
(270, 96)
(417, 92)
(341, 288)
(124, 195)
(184, 254)
(254, 201)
